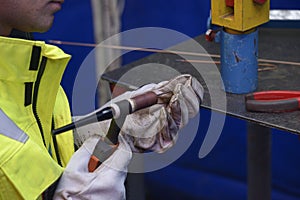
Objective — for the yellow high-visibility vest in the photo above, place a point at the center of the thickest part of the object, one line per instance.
(32, 103)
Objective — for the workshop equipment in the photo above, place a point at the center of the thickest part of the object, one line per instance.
(239, 20)
(239, 65)
(117, 112)
(273, 101)
(239, 41)
(106, 147)
(240, 15)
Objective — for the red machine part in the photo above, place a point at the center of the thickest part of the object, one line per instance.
(229, 3)
(210, 35)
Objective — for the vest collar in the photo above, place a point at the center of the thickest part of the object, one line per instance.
(30, 76)
(17, 54)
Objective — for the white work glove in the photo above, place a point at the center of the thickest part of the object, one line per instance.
(105, 183)
(154, 128)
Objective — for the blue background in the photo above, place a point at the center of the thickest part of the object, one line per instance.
(220, 175)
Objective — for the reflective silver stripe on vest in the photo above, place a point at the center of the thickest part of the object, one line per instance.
(9, 129)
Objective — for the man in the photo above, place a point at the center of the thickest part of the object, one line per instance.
(32, 104)
(28, 96)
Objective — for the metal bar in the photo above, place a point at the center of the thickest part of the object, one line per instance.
(131, 48)
(259, 162)
(284, 14)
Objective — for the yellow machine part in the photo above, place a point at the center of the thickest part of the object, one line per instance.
(244, 15)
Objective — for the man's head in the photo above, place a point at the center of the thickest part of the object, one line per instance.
(27, 15)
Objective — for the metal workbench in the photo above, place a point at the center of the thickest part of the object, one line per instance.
(275, 44)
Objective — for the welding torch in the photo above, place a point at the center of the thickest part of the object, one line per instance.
(117, 112)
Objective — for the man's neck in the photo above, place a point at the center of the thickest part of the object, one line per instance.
(4, 30)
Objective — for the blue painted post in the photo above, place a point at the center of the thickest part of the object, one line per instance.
(239, 63)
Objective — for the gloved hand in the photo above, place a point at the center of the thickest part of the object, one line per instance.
(155, 128)
(106, 182)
